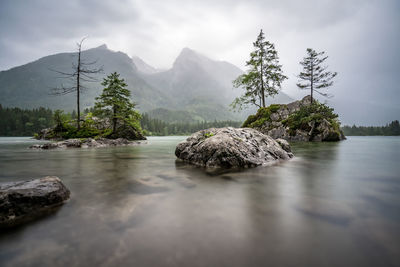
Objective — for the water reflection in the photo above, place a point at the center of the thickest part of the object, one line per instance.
(334, 204)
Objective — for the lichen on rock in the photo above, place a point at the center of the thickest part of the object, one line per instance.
(231, 147)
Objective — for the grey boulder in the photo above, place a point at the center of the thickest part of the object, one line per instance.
(23, 201)
(231, 147)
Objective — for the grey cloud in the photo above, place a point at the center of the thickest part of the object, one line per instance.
(361, 37)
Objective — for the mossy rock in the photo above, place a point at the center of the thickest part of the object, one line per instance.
(299, 119)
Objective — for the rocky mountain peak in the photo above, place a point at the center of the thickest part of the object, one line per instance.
(103, 46)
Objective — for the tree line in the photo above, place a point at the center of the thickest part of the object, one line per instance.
(156, 127)
(24, 122)
(390, 129)
(27, 122)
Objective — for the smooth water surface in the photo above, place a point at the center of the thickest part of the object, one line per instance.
(334, 204)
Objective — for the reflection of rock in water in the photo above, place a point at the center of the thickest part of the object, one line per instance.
(324, 211)
(146, 187)
(179, 179)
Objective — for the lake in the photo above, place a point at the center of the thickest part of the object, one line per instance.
(334, 204)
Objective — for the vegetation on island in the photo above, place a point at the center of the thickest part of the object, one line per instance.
(264, 79)
(299, 120)
(315, 113)
(114, 105)
(263, 115)
(113, 116)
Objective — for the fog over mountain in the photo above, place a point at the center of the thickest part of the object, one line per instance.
(361, 38)
(196, 85)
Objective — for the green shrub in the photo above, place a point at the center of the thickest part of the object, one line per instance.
(262, 115)
(249, 120)
(258, 123)
(315, 112)
(207, 135)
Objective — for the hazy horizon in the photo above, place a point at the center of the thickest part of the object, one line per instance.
(361, 39)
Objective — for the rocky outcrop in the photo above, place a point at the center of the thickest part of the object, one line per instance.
(92, 127)
(298, 121)
(22, 201)
(86, 143)
(231, 147)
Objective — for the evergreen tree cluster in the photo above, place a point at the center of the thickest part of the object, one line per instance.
(24, 122)
(391, 129)
(264, 76)
(157, 127)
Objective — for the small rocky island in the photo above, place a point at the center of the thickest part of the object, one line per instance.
(113, 121)
(301, 120)
(232, 147)
(26, 200)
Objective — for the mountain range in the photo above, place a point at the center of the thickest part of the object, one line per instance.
(195, 88)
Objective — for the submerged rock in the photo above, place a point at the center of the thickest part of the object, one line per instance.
(22, 201)
(85, 143)
(231, 147)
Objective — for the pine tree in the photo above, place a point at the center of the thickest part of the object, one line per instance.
(115, 104)
(264, 77)
(314, 76)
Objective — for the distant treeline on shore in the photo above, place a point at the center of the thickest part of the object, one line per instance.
(27, 122)
(24, 122)
(391, 129)
(157, 127)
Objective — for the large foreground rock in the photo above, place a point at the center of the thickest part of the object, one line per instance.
(231, 147)
(85, 143)
(22, 201)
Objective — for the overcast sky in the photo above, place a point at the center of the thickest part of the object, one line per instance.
(361, 37)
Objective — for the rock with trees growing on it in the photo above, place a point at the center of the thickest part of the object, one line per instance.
(27, 200)
(297, 121)
(231, 147)
(115, 106)
(113, 117)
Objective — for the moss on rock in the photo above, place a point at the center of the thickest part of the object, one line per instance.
(298, 121)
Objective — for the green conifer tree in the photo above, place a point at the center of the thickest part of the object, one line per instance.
(264, 77)
(115, 104)
(314, 76)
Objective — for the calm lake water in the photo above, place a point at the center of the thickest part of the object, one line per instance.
(334, 204)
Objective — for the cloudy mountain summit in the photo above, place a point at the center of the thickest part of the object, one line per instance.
(195, 84)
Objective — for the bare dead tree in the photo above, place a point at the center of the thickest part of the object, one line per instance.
(82, 71)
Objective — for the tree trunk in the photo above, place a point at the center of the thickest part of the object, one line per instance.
(78, 90)
(262, 83)
(114, 119)
(312, 80)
